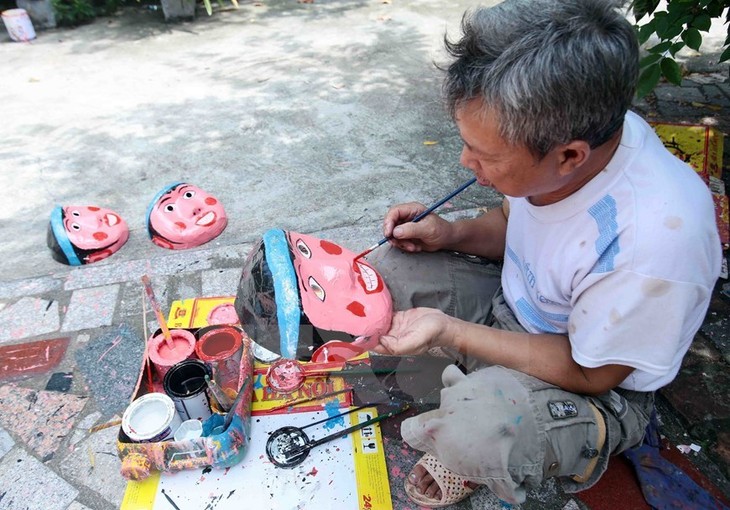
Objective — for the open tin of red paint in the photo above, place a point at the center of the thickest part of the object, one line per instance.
(220, 349)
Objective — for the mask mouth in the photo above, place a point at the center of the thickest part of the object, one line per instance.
(369, 279)
(111, 219)
(206, 220)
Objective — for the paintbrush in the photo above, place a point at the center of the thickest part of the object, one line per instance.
(232, 410)
(158, 311)
(424, 213)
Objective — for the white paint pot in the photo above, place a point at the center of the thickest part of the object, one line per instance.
(151, 418)
(18, 25)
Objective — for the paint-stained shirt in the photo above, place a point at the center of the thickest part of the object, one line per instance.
(625, 266)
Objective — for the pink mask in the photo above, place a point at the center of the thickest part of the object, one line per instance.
(335, 295)
(184, 216)
(85, 234)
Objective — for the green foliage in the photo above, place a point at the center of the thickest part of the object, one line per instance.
(680, 25)
(73, 12)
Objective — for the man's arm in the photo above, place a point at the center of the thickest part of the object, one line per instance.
(545, 356)
(483, 236)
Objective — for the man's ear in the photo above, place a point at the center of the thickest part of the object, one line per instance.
(572, 156)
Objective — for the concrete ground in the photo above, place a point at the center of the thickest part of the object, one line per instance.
(311, 117)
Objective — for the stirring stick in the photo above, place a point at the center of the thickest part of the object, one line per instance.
(295, 402)
(424, 213)
(158, 311)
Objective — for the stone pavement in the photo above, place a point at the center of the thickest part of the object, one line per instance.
(312, 117)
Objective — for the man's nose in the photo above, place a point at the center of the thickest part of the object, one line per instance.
(196, 211)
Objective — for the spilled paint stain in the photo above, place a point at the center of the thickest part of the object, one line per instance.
(333, 410)
(169, 499)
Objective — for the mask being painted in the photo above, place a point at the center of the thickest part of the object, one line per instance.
(80, 235)
(183, 216)
(298, 292)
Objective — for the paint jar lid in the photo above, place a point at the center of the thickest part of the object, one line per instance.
(189, 429)
(219, 343)
(148, 417)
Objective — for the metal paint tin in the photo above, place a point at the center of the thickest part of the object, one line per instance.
(220, 348)
(151, 418)
(185, 384)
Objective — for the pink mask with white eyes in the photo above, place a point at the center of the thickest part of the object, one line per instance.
(93, 228)
(184, 216)
(335, 295)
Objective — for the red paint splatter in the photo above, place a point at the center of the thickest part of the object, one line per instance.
(313, 472)
(356, 308)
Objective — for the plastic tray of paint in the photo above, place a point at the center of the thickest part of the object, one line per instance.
(217, 447)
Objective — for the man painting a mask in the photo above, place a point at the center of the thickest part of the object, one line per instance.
(570, 309)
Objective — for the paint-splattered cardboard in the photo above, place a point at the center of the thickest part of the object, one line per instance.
(199, 312)
(702, 148)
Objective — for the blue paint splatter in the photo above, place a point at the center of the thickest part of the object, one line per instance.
(333, 410)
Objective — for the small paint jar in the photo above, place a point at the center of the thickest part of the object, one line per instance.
(185, 384)
(220, 348)
(163, 356)
(150, 418)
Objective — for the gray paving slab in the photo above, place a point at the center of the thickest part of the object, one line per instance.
(77, 506)
(110, 364)
(28, 287)
(27, 484)
(91, 308)
(29, 317)
(94, 464)
(6, 442)
(220, 282)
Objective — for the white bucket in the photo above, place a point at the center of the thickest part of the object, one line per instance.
(18, 24)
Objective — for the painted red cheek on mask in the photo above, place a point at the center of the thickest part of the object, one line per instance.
(92, 208)
(100, 236)
(356, 308)
(211, 201)
(330, 248)
(180, 224)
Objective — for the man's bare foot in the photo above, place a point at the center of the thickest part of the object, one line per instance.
(425, 483)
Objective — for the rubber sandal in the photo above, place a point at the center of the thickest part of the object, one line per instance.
(453, 487)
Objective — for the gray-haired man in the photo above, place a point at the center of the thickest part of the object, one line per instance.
(590, 311)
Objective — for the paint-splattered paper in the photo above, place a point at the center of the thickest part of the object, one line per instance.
(345, 473)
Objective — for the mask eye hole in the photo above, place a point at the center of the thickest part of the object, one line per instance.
(75, 226)
(317, 289)
(169, 207)
(75, 213)
(188, 195)
(304, 249)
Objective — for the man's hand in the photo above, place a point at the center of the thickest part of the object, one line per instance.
(432, 233)
(414, 332)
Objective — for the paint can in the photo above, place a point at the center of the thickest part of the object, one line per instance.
(18, 25)
(150, 418)
(163, 357)
(185, 384)
(220, 348)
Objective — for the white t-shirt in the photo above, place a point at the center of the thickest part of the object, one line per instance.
(625, 266)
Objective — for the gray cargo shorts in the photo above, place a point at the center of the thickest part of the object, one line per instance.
(496, 426)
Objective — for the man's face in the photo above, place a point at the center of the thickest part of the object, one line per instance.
(93, 228)
(186, 216)
(336, 295)
(511, 170)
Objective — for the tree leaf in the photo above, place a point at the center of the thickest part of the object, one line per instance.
(702, 22)
(725, 55)
(208, 7)
(651, 58)
(671, 71)
(648, 80)
(675, 48)
(661, 47)
(692, 38)
(645, 32)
